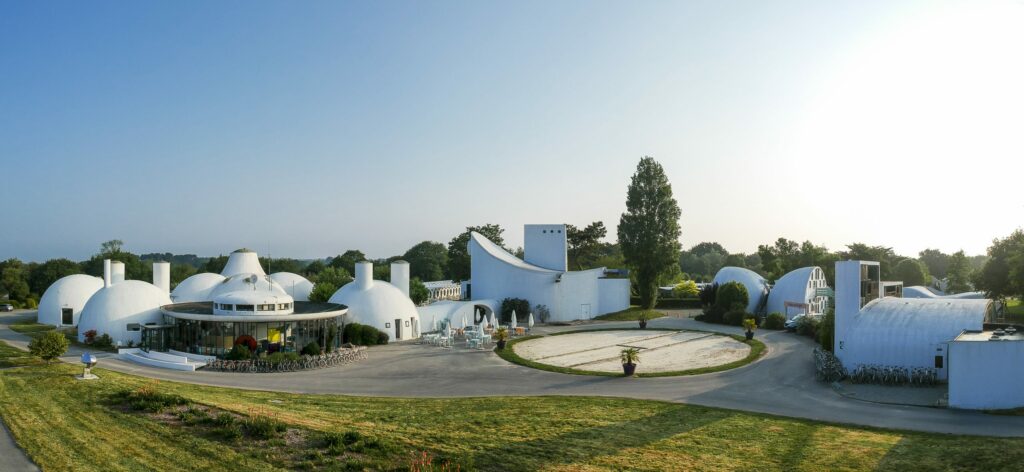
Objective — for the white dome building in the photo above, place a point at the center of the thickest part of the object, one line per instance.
(121, 309)
(243, 261)
(378, 304)
(798, 288)
(197, 288)
(63, 301)
(918, 291)
(297, 286)
(757, 286)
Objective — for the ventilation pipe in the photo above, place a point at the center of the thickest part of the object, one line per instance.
(400, 276)
(116, 272)
(162, 276)
(106, 272)
(364, 275)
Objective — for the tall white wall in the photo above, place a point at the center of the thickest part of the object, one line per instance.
(116, 272)
(848, 301)
(364, 275)
(400, 276)
(546, 246)
(162, 276)
(613, 295)
(986, 374)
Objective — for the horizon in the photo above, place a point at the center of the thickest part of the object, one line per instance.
(302, 134)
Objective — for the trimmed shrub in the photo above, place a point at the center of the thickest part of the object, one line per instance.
(826, 330)
(104, 341)
(775, 321)
(382, 337)
(353, 333)
(732, 296)
(49, 346)
(239, 352)
(311, 349)
(734, 317)
(807, 326)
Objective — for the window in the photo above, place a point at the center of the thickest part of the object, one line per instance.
(265, 307)
(244, 308)
(134, 327)
(938, 362)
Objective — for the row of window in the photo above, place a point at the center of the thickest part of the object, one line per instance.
(263, 307)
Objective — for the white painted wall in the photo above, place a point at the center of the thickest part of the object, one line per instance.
(986, 374)
(162, 276)
(546, 246)
(847, 302)
(613, 295)
(400, 276)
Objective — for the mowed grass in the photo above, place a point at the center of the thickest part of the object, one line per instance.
(14, 357)
(632, 313)
(66, 424)
(1014, 311)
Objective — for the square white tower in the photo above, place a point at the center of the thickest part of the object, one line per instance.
(546, 246)
(857, 283)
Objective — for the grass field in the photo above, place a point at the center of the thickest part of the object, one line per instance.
(66, 424)
(632, 313)
(1014, 311)
(12, 357)
(509, 354)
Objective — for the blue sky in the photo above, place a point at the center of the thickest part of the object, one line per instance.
(304, 129)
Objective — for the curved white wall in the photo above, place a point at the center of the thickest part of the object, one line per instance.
(71, 292)
(113, 308)
(757, 286)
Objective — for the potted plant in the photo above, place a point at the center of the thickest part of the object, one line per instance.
(643, 319)
(630, 357)
(750, 325)
(500, 336)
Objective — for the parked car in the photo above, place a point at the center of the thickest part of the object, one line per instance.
(6, 307)
(791, 324)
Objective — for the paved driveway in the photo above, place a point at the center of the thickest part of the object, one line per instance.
(781, 383)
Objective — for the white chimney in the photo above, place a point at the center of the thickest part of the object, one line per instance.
(162, 276)
(116, 272)
(364, 275)
(400, 276)
(106, 272)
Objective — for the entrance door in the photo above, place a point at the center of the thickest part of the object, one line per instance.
(398, 329)
(67, 316)
(414, 323)
(585, 311)
(941, 361)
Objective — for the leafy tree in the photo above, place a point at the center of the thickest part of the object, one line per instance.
(49, 346)
(911, 272)
(1002, 275)
(282, 265)
(700, 249)
(649, 229)
(337, 277)
(322, 292)
(314, 268)
(732, 296)
(686, 289)
(45, 274)
(519, 305)
(458, 249)
(427, 260)
(14, 279)
(180, 272)
(826, 331)
(418, 292)
(584, 244)
(959, 274)
(111, 247)
(936, 261)
(216, 264)
(348, 259)
(862, 252)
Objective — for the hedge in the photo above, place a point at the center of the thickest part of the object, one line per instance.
(676, 303)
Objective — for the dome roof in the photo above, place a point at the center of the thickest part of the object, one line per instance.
(248, 282)
(196, 288)
(377, 305)
(113, 308)
(243, 261)
(918, 291)
(71, 292)
(757, 286)
(295, 285)
(797, 286)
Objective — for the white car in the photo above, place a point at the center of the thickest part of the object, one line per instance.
(791, 324)
(6, 307)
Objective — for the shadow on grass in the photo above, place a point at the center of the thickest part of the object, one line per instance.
(581, 446)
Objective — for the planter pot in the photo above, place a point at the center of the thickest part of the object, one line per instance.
(628, 369)
(501, 344)
(643, 324)
(750, 335)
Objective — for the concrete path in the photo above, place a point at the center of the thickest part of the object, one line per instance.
(781, 383)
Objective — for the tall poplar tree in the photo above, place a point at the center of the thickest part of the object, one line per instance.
(649, 229)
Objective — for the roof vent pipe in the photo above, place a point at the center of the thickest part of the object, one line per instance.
(106, 272)
(162, 276)
(116, 272)
(364, 275)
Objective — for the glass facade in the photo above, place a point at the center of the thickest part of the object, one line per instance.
(216, 338)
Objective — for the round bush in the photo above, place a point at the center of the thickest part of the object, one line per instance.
(732, 297)
(775, 321)
(311, 349)
(734, 317)
(382, 337)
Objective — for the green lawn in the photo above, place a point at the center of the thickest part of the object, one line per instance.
(35, 330)
(509, 354)
(1014, 311)
(66, 424)
(632, 313)
(13, 357)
